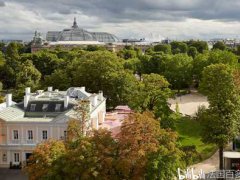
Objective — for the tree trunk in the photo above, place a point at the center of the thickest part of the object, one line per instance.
(221, 157)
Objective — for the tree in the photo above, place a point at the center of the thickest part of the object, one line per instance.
(2, 60)
(12, 51)
(59, 79)
(238, 50)
(214, 57)
(42, 159)
(236, 76)
(146, 150)
(82, 111)
(178, 71)
(9, 66)
(192, 51)
(95, 48)
(178, 47)
(46, 62)
(128, 52)
(224, 57)
(133, 64)
(200, 45)
(101, 70)
(199, 63)
(28, 75)
(165, 48)
(106, 151)
(221, 121)
(219, 45)
(141, 150)
(152, 94)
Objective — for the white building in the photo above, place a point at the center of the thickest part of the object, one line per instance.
(41, 116)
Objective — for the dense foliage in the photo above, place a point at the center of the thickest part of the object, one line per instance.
(142, 80)
(221, 120)
(141, 149)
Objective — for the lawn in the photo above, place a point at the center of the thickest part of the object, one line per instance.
(190, 134)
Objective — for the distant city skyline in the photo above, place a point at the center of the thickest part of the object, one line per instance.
(155, 20)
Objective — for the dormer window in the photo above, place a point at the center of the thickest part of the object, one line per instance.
(45, 107)
(32, 107)
(58, 107)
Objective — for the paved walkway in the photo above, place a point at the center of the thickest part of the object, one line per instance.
(208, 165)
(12, 174)
(188, 104)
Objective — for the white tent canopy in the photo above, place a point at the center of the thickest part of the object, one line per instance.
(231, 155)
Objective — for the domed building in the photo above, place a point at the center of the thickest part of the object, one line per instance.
(78, 34)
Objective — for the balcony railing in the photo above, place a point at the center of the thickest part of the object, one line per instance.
(16, 141)
(30, 141)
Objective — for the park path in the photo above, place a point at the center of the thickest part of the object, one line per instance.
(208, 165)
(188, 104)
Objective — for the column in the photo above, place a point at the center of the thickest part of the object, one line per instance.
(7, 135)
(36, 139)
(23, 156)
(22, 136)
(58, 133)
(51, 132)
(8, 157)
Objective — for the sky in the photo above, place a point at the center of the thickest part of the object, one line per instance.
(150, 19)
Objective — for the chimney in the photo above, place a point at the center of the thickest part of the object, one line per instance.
(8, 100)
(66, 101)
(100, 95)
(26, 100)
(93, 99)
(27, 90)
(50, 89)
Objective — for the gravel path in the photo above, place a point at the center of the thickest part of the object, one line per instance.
(188, 104)
(208, 165)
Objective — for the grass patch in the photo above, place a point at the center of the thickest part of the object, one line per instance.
(189, 131)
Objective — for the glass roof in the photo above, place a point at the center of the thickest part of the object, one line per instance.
(79, 34)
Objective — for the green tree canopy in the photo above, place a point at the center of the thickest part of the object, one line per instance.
(59, 79)
(224, 57)
(219, 45)
(221, 121)
(201, 46)
(102, 70)
(178, 71)
(165, 48)
(28, 75)
(192, 51)
(152, 94)
(179, 47)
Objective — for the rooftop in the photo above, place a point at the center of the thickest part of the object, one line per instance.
(48, 105)
(78, 34)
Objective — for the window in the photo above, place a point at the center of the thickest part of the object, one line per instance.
(32, 107)
(15, 134)
(58, 107)
(45, 107)
(30, 135)
(16, 157)
(4, 158)
(44, 135)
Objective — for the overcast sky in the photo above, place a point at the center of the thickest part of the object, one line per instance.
(152, 19)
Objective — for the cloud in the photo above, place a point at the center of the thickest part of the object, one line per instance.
(142, 10)
(125, 18)
(2, 3)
